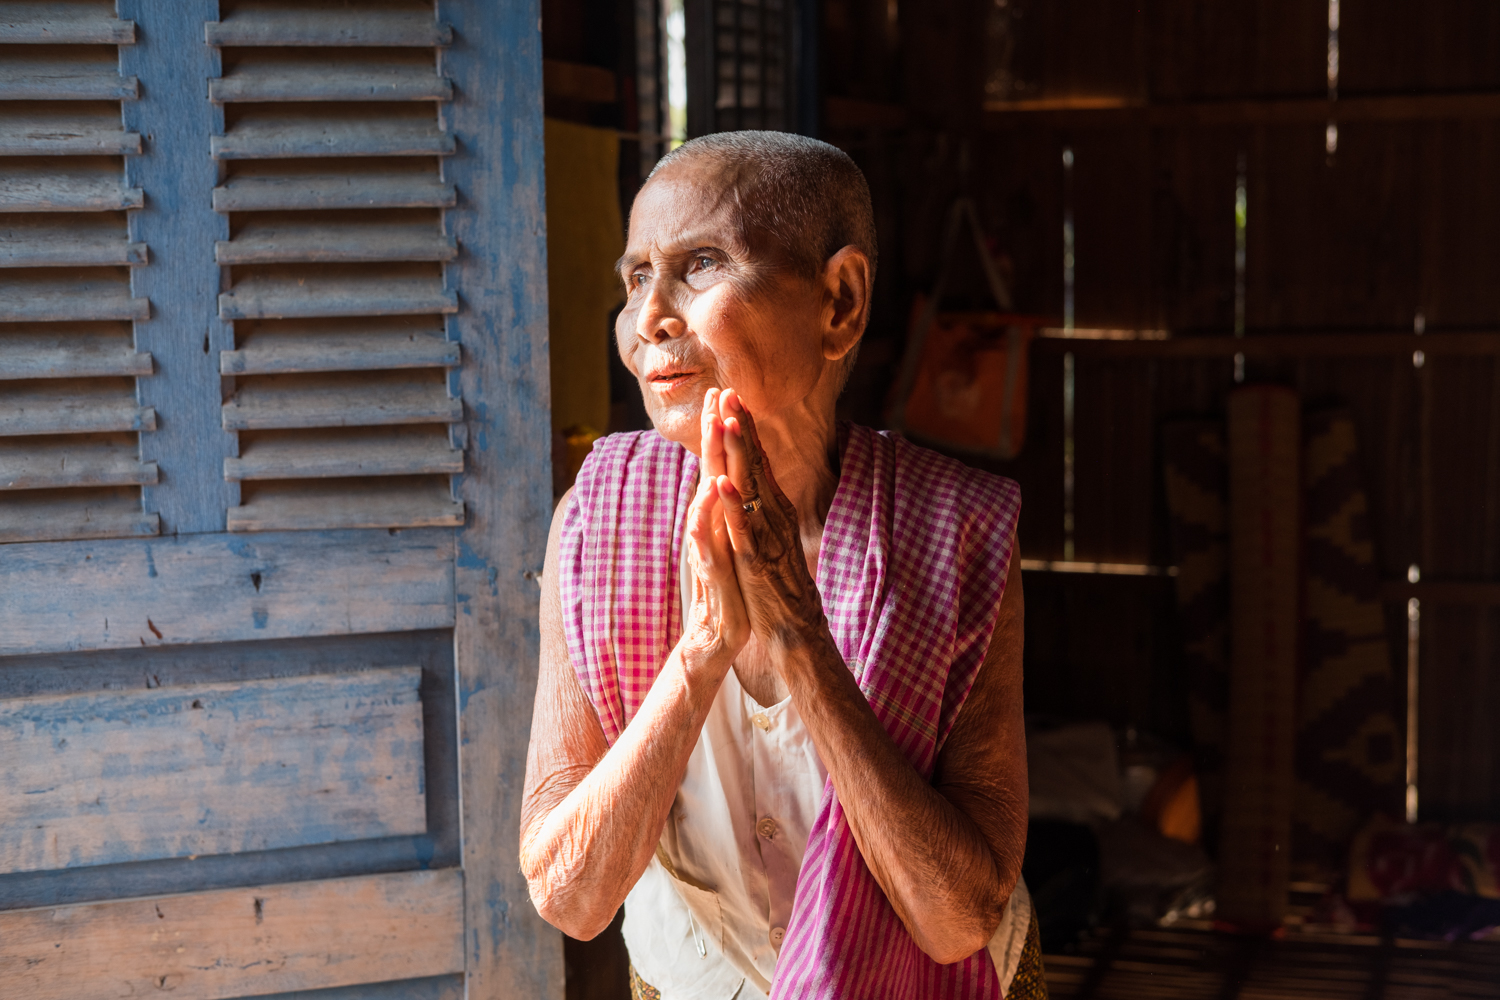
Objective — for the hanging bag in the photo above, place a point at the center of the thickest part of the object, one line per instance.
(962, 385)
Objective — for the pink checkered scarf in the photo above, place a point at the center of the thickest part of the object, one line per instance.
(913, 565)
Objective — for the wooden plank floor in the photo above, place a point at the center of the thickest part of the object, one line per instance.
(1193, 964)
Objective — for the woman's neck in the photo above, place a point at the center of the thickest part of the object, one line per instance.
(803, 451)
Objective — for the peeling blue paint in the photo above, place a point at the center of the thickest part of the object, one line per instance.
(468, 558)
(260, 617)
(481, 422)
(150, 562)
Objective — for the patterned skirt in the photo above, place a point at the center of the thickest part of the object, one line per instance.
(1029, 983)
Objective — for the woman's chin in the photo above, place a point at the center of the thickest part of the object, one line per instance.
(679, 421)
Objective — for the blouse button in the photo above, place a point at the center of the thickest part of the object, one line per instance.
(777, 933)
(761, 720)
(766, 828)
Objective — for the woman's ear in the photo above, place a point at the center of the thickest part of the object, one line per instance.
(846, 307)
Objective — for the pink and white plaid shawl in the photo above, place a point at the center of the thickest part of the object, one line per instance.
(913, 565)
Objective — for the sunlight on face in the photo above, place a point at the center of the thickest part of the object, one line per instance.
(708, 308)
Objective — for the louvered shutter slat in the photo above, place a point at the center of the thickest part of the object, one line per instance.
(57, 74)
(60, 128)
(404, 451)
(68, 240)
(65, 406)
(70, 351)
(65, 461)
(326, 401)
(295, 25)
(251, 194)
(50, 185)
(295, 293)
(301, 239)
(415, 502)
(359, 346)
(296, 133)
(348, 83)
(52, 295)
(67, 514)
(63, 23)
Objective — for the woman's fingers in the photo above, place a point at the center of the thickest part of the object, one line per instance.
(712, 428)
(747, 463)
(738, 522)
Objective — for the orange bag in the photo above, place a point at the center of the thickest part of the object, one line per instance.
(963, 380)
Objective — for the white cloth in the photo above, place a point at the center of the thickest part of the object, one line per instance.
(707, 917)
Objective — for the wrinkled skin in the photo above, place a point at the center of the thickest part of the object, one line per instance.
(715, 330)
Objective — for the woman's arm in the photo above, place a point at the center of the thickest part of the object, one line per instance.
(947, 854)
(592, 815)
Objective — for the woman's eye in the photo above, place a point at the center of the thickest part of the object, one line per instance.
(706, 263)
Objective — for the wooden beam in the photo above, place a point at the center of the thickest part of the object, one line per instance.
(1111, 111)
(1283, 345)
(106, 777)
(222, 588)
(578, 82)
(1484, 593)
(239, 942)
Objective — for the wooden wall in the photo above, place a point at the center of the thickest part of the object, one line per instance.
(1397, 223)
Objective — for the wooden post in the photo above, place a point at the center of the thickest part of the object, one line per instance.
(501, 280)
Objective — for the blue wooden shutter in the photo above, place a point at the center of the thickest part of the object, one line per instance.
(279, 746)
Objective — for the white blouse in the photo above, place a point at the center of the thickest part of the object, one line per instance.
(707, 918)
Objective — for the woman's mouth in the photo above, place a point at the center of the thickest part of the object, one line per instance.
(669, 380)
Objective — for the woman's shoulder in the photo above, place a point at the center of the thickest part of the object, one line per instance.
(631, 469)
(940, 477)
(615, 457)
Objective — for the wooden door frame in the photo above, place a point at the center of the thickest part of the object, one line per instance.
(501, 279)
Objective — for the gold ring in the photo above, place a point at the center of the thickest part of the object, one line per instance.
(751, 506)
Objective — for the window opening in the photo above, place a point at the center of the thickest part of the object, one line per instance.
(676, 36)
(1331, 134)
(1241, 217)
(1413, 648)
(1068, 364)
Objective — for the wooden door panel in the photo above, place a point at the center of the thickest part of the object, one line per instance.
(120, 593)
(146, 671)
(109, 777)
(239, 942)
(327, 387)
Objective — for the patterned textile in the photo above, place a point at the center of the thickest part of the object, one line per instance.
(640, 989)
(1196, 466)
(1030, 982)
(1392, 861)
(915, 554)
(1349, 760)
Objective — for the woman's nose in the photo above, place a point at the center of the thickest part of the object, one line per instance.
(659, 319)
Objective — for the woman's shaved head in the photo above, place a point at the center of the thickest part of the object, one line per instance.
(806, 196)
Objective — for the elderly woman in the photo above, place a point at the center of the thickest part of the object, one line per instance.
(779, 707)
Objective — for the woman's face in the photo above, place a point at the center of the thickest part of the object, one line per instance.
(706, 308)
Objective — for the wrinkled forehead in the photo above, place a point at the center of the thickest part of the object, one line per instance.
(691, 203)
